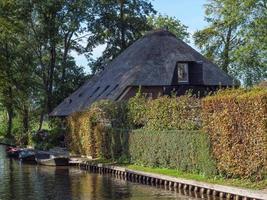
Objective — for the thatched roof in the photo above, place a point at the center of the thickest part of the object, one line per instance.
(150, 61)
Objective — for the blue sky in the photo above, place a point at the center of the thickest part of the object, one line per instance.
(189, 12)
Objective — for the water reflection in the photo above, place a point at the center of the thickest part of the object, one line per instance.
(30, 182)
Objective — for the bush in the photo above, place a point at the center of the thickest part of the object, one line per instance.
(112, 143)
(237, 123)
(91, 132)
(184, 150)
(47, 139)
(137, 106)
(180, 113)
(78, 134)
(165, 113)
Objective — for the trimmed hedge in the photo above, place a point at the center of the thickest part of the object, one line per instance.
(165, 113)
(91, 132)
(87, 131)
(184, 150)
(236, 121)
(112, 143)
(79, 135)
(180, 113)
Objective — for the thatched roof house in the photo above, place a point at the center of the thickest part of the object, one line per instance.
(159, 63)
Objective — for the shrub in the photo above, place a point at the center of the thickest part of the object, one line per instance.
(113, 143)
(110, 113)
(46, 139)
(91, 133)
(165, 112)
(237, 123)
(88, 130)
(78, 137)
(180, 113)
(184, 150)
(137, 106)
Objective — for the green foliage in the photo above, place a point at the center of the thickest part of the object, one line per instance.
(164, 113)
(117, 25)
(183, 150)
(251, 65)
(236, 38)
(54, 138)
(37, 70)
(79, 135)
(112, 143)
(111, 113)
(103, 131)
(137, 106)
(180, 113)
(3, 123)
(173, 24)
(92, 132)
(236, 123)
(199, 177)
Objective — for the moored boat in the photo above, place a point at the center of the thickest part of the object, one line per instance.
(53, 161)
(13, 152)
(27, 156)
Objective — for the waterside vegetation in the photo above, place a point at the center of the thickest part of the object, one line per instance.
(112, 131)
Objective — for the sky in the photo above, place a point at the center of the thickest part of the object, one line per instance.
(189, 12)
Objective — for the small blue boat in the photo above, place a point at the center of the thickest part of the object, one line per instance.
(27, 156)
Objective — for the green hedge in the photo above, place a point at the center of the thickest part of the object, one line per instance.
(184, 150)
(165, 113)
(236, 121)
(112, 143)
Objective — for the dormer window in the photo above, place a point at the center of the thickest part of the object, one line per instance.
(182, 72)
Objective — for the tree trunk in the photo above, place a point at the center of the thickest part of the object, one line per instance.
(122, 28)
(10, 112)
(41, 121)
(25, 120)
(51, 79)
(226, 51)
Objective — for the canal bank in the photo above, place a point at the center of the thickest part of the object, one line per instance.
(188, 187)
(31, 182)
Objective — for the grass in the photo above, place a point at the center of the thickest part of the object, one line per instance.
(197, 177)
(241, 183)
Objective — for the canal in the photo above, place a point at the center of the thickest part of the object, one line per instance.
(28, 182)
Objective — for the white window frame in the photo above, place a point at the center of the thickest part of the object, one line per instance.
(185, 65)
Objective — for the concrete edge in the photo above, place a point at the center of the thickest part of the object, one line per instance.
(220, 189)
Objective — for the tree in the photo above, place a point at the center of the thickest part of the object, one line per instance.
(250, 57)
(171, 23)
(235, 38)
(15, 64)
(54, 29)
(37, 71)
(117, 24)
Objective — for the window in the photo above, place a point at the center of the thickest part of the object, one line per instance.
(182, 72)
(103, 91)
(94, 91)
(115, 87)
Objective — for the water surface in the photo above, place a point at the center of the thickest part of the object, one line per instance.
(28, 182)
